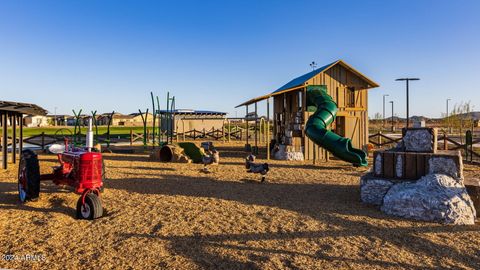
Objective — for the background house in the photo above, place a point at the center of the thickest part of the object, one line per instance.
(129, 120)
(183, 120)
(36, 121)
(61, 119)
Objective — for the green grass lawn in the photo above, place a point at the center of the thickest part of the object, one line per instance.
(122, 131)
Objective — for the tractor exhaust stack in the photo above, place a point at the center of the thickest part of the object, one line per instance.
(89, 139)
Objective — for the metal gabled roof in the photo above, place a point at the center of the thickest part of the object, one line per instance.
(301, 80)
(191, 112)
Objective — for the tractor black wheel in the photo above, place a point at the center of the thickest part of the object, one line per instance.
(28, 176)
(92, 209)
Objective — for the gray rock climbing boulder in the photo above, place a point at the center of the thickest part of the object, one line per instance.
(420, 140)
(449, 165)
(435, 197)
(372, 190)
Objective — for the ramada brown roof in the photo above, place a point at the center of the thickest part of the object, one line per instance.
(20, 107)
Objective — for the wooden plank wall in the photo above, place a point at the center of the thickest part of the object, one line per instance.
(337, 79)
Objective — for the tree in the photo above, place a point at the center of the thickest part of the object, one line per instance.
(460, 117)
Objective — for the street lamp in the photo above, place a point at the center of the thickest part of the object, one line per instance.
(392, 116)
(407, 80)
(55, 119)
(448, 120)
(383, 122)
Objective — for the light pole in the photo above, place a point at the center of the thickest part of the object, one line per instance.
(392, 116)
(55, 119)
(448, 120)
(383, 122)
(407, 80)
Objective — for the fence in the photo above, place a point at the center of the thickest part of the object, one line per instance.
(235, 133)
(446, 142)
(468, 150)
(380, 140)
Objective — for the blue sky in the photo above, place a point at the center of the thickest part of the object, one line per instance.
(109, 55)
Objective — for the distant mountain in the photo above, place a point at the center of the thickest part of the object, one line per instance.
(395, 118)
(415, 118)
(470, 115)
(418, 118)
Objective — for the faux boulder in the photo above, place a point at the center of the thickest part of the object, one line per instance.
(284, 152)
(420, 140)
(372, 190)
(449, 165)
(435, 197)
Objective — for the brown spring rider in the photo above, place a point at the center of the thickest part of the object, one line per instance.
(261, 168)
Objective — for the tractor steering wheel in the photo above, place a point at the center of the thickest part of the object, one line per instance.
(62, 134)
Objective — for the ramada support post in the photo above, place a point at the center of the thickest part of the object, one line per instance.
(20, 122)
(256, 130)
(4, 140)
(268, 129)
(246, 122)
(13, 122)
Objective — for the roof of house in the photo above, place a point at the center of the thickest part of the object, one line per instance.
(20, 107)
(191, 112)
(123, 116)
(58, 115)
(301, 80)
(137, 114)
(108, 114)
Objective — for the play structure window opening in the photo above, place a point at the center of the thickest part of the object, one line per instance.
(300, 100)
(350, 100)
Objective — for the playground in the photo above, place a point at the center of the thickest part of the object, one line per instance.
(172, 215)
(193, 189)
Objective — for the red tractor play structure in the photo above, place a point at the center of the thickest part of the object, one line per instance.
(80, 168)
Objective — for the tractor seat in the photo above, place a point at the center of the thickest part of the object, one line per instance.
(56, 168)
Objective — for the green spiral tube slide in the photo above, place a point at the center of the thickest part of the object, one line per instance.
(316, 127)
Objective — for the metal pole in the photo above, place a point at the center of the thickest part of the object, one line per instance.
(256, 126)
(159, 123)
(172, 123)
(246, 121)
(383, 121)
(407, 80)
(4, 141)
(268, 140)
(268, 129)
(20, 120)
(154, 120)
(392, 114)
(168, 115)
(13, 122)
(408, 115)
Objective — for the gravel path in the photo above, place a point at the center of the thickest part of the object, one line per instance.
(174, 216)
